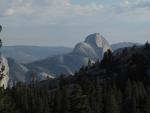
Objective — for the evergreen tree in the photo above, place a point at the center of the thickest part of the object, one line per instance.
(89, 63)
(145, 105)
(78, 101)
(64, 101)
(98, 97)
(147, 46)
(6, 104)
(133, 105)
(110, 102)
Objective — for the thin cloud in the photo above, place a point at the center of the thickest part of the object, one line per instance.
(65, 7)
(50, 7)
(52, 11)
(135, 4)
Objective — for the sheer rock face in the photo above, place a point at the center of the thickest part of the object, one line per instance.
(19, 72)
(5, 79)
(85, 50)
(98, 41)
(94, 46)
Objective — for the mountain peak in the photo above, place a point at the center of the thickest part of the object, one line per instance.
(95, 40)
(94, 46)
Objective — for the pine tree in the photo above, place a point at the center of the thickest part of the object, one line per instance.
(133, 105)
(145, 106)
(99, 97)
(107, 62)
(128, 97)
(89, 63)
(110, 102)
(6, 103)
(147, 46)
(78, 101)
(64, 101)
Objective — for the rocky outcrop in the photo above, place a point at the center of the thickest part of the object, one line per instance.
(4, 71)
(92, 48)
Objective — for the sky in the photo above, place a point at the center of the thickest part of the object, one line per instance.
(67, 22)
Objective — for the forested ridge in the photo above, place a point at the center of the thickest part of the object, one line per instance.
(120, 83)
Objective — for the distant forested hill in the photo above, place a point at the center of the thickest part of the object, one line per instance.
(123, 45)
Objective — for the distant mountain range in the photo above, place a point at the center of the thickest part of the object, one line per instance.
(70, 60)
(92, 48)
(26, 54)
(50, 62)
(123, 45)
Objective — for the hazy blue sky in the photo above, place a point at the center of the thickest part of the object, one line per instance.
(66, 22)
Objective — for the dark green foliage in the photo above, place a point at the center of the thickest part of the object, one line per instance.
(145, 107)
(0, 39)
(78, 101)
(6, 102)
(118, 84)
(111, 104)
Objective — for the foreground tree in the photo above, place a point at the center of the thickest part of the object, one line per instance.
(111, 104)
(78, 101)
(2, 67)
(0, 39)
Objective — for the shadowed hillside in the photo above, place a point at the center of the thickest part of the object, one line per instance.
(120, 83)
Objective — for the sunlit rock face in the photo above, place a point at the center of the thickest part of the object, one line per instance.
(4, 66)
(94, 46)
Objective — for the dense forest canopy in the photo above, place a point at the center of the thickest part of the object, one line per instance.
(120, 83)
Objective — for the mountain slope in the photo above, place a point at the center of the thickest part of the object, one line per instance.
(19, 72)
(26, 54)
(123, 45)
(133, 63)
(119, 83)
(92, 48)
